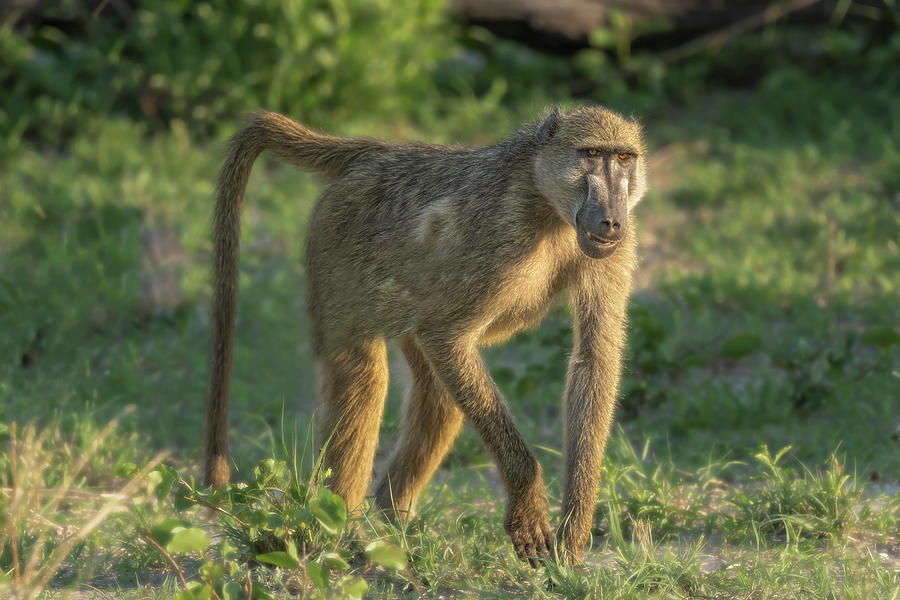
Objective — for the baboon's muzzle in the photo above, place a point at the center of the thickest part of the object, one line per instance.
(600, 229)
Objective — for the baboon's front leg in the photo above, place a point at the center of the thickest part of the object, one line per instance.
(353, 384)
(459, 367)
(590, 399)
(431, 422)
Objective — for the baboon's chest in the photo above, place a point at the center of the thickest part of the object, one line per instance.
(516, 318)
(525, 295)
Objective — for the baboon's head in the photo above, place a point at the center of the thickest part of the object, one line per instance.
(590, 166)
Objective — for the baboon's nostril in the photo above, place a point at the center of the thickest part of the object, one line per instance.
(610, 226)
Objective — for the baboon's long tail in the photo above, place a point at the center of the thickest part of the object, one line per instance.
(300, 146)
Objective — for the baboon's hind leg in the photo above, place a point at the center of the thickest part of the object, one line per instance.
(353, 384)
(431, 422)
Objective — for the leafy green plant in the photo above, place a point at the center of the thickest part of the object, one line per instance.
(201, 62)
(795, 505)
(277, 520)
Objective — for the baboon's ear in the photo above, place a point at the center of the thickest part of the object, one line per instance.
(547, 128)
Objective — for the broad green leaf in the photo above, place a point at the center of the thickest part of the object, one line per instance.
(317, 574)
(335, 561)
(386, 555)
(188, 539)
(261, 593)
(232, 591)
(195, 590)
(259, 518)
(126, 469)
(182, 501)
(279, 559)
(164, 477)
(356, 588)
(212, 571)
(227, 549)
(619, 19)
(274, 521)
(292, 549)
(235, 569)
(741, 344)
(602, 38)
(163, 532)
(329, 510)
(154, 478)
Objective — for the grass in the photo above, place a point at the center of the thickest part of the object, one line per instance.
(756, 454)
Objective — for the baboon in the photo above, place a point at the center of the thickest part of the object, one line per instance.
(448, 249)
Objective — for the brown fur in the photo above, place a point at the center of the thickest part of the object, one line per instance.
(449, 249)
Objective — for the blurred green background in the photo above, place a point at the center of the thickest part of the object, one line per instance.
(766, 310)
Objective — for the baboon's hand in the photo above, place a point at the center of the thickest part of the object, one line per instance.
(527, 524)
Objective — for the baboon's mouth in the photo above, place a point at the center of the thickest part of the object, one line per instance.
(600, 241)
(595, 246)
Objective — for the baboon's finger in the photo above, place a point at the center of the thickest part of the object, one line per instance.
(531, 555)
(519, 547)
(524, 548)
(549, 539)
(522, 553)
(540, 544)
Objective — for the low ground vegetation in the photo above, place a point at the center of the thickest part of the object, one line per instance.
(757, 451)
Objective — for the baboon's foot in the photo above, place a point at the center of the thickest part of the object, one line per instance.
(527, 524)
(570, 546)
(395, 503)
(395, 510)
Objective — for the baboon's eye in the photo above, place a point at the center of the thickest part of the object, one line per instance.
(624, 156)
(592, 151)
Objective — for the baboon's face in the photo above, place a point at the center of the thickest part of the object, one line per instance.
(590, 166)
